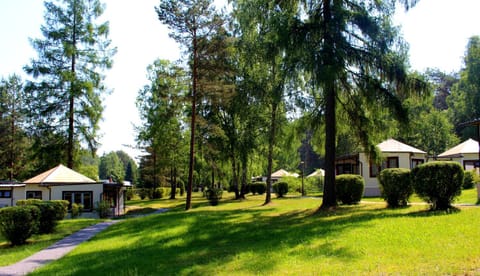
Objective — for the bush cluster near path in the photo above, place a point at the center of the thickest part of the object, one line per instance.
(31, 216)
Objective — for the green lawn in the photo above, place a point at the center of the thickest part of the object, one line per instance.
(10, 255)
(288, 237)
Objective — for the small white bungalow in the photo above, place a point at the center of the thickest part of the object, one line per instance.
(62, 183)
(395, 155)
(318, 172)
(276, 176)
(465, 153)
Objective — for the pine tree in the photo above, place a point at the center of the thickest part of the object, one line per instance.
(190, 21)
(66, 93)
(13, 138)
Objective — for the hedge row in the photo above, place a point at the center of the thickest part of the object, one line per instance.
(18, 223)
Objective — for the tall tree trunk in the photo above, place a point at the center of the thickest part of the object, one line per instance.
(329, 193)
(243, 189)
(71, 117)
(12, 142)
(271, 143)
(173, 186)
(235, 177)
(213, 177)
(188, 203)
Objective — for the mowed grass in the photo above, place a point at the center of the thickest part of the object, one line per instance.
(10, 255)
(288, 237)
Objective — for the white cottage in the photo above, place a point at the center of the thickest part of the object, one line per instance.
(394, 154)
(62, 183)
(465, 153)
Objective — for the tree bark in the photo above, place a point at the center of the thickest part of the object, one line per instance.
(188, 203)
(71, 112)
(271, 142)
(173, 186)
(329, 193)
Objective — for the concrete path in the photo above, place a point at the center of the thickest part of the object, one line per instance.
(58, 249)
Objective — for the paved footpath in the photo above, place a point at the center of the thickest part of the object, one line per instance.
(55, 251)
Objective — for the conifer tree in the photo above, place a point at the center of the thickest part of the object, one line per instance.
(67, 87)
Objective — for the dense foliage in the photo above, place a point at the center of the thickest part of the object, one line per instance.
(66, 94)
(51, 212)
(280, 188)
(214, 195)
(469, 179)
(258, 188)
(349, 188)
(19, 223)
(438, 183)
(396, 186)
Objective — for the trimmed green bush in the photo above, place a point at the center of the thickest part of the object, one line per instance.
(214, 195)
(77, 210)
(103, 209)
(61, 208)
(258, 188)
(50, 212)
(396, 186)
(280, 188)
(469, 179)
(349, 188)
(158, 193)
(19, 223)
(130, 193)
(438, 183)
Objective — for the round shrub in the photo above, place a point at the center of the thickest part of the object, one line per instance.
(103, 209)
(469, 179)
(280, 188)
(61, 208)
(19, 223)
(396, 186)
(130, 193)
(349, 188)
(158, 193)
(258, 188)
(77, 210)
(214, 195)
(438, 183)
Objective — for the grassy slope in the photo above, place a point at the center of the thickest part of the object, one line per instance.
(288, 237)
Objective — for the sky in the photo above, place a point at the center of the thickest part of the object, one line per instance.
(436, 30)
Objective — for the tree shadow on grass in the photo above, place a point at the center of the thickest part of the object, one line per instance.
(251, 240)
(207, 238)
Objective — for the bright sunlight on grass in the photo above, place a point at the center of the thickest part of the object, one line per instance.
(287, 237)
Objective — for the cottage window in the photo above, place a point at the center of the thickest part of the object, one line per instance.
(6, 194)
(417, 162)
(469, 164)
(34, 195)
(391, 162)
(84, 198)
